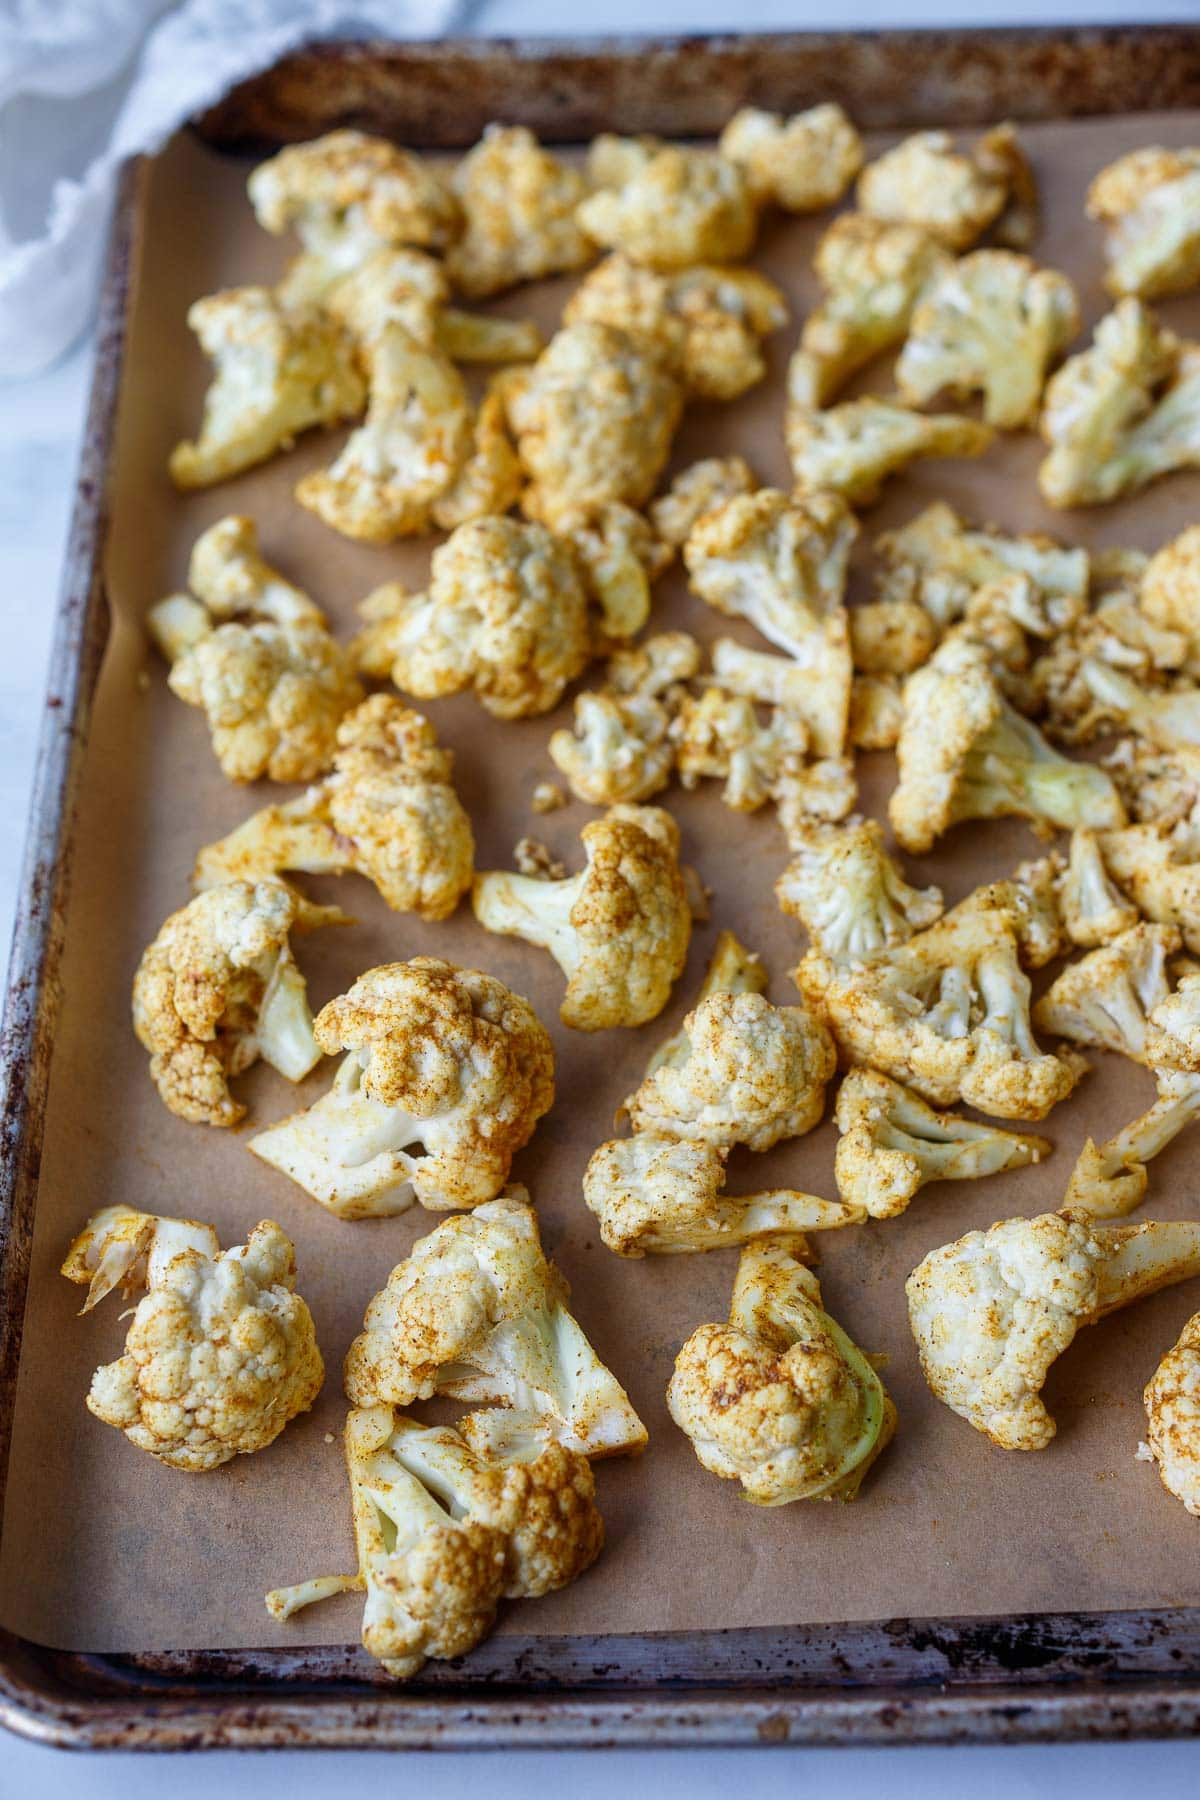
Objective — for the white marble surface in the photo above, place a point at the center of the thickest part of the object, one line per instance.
(39, 429)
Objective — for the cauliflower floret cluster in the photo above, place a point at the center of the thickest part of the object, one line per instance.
(1172, 1401)
(675, 208)
(780, 1399)
(1149, 201)
(1093, 910)
(519, 204)
(813, 683)
(218, 988)
(925, 181)
(1105, 998)
(721, 735)
(849, 895)
(803, 163)
(618, 557)
(851, 449)
(939, 562)
(778, 563)
(445, 1059)
(619, 751)
(279, 371)
(1169, 592)
(388, 811)
(702, 488)
(221, 1353)
(1110, 1179)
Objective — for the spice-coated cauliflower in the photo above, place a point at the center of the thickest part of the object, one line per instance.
(393, 287)
(848, 893)
(1158, 787)
(721, 735)
(218, 988)
(231, 578)
(618, 556)
(620, 749)
(445, 1059)
(1121, 413)
(803, 163)
(703, 487)
(1149, 200)
(813, 682)
(677, 207)
(1105, 998)
(991, 1312)
(477, 1312)
(851, 449)
(992, 324)
(939, 562)
(1110, 1179)
(505, 615)
(519, 203)
(780, 1399)
(891, 637)
(1172, 1402)
(388, 811)
(876, 713)
(593, 422)
(279, 371)
(619, 930)
(779, 563)
(1110, 669)
(1093, 910)
(657, 666)
(221, 1354)
(1169, 592)
(491, 478)
(925, 181)
(890, 1145)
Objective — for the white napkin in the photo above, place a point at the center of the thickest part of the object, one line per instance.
(86, 83)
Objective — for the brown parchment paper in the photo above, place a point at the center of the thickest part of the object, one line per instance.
(103, 1549)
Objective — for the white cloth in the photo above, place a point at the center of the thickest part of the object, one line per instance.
(128, 72)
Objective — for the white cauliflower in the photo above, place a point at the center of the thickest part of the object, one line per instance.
(781, 564)
(620, 749)
(477, 1313)
(677, 207)
(218, 988)
(813, 683)
(619, 930)
(992, 324)
(991, 1312)
(780, 1399)
(876, 713)
(618, 557)
(1168, 593)
(279, 371)
(518, 203)
(1160, 787)
(443, 1059)
(955, 197)
(891, 637)
(721, 735)
(732, 969)
(221, 1353)
(1149, 201)
(890, 1145)
(803, 163)
(1104, 999)
(1172, 1401)
(1110, 1179)
(939, 562)
(1111, 664)
(1093, 911)
(655, 667)
(851, 449)
(388, 811)
(392, 287)
(703, 487)
(1166, 718)
(848, 893)
(1159, 868)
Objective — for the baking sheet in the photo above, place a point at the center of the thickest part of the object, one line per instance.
(103, 1549)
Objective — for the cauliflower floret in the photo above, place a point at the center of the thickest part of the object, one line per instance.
(732, 969)
(781, 564)
(1169, 592)
(827, 791)
(505, 615)
(445, 1059)
(780, 1399)
(813, 683)
(230, 576)
(1159, 869)
(940, 563)
(1172, 1401)
(702, 488)
(754, 1074)
(388, 811)
(876, 713)
(675, 208)
(618, 557)
(1088, 678)
(965, 754)
(849, 895)
(1110, 1179)
(657, 666)
(619, 930)
(1104, 999)
(924, 181)
(620, 749)
(278, 372)
(221, 1354)
(852, 449)
(1160, 787)
(476, 1312)
(413, 444)
(1093, 911)
(593, 419)
(872, 275)
(948, 1014)
(490, 481)
(1167, 718)
(991, 1312)
(1150, 202)
(721, 735)
(1122, 413)
(519, 205)
(992, 324)
(1007, 618)
(658, 1196)
(891, 1144)
(218, 988)
(392, 287)
(891, 637)
(803, 163)
(348, 196)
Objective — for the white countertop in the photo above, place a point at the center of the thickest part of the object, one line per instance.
(39, 429)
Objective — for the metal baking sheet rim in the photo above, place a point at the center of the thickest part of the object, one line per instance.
(1125, 1675)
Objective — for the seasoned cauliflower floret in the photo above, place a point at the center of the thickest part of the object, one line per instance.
(230, 576)
(490, 480)
(388, 811)
(890, 1145)
(518, 202)
(1093, 911)
(1104, 999)
(620, 749)
(702, 488)
(781, 564)
(279, 371)
(924, 181)
(445, 1059)
(407, 453)
(1110, 1179)
(1169, 592)
(1149, 201)
(876, 713)
(991, 1312)
(505, 615)
(676, 208)
(848, 893)
(965, 754)
(1121, 413)
(721, 735)
(618, 557)
(780, 1399)
(218, 988)
(852, 449)
(221, 1353)
(657, 666)
(872, 275)
(939, 562)
(813, 682)
(992, 324)
(393, 287)
(593, 420)
(891, 637)
(663, 1196)
(619, 930)
(803, 163)
(1172, 1401)
(476, 1312)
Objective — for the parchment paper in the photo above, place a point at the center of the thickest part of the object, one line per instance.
(104, 1549)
